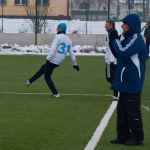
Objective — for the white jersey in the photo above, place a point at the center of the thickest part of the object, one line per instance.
(60, 46)
(109, 57)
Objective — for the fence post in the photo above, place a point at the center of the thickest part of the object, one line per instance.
(2, 14)
(36, 19)
(108, 15)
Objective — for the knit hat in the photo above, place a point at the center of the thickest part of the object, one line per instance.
(62, 27)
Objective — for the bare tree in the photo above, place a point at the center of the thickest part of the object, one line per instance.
(118, 10)
(87, 8)
(87, 4)
(146, 9)
(130, 4)
(37, 10)
(100, 3)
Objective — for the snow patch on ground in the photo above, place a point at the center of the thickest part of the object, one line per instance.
(6, 49)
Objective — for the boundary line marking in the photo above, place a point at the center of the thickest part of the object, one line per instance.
(101, 127)
(146, 108)
(92, 143)
(71, 94)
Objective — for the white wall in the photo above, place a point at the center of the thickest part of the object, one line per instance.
(93, 27)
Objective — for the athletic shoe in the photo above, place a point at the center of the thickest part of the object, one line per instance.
(28, 83)
(115, 98)
(116, 141)
(133, 142)
(56, 95)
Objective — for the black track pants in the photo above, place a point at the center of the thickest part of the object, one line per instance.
(46, 69)
(129, 120)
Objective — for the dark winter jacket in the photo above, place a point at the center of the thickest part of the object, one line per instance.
(147, 33)
(131, 58)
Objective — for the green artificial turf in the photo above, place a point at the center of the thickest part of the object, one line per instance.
(37, 122)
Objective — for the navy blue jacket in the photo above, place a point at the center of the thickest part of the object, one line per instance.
(131, 58)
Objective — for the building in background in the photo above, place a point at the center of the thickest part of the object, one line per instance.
(86, 10)
(57, 9)
(94, 10)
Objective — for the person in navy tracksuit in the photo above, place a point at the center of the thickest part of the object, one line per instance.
(131, 54)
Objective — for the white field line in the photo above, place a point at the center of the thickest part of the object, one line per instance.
(26, 93)
(146, 108)
(101, 127)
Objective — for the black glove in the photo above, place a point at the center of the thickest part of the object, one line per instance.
(76, 67)
(113, 35)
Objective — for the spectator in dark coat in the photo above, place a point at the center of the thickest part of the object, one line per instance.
(147, 37)
(129, 77)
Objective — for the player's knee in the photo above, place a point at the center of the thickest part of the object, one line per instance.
(47, 77)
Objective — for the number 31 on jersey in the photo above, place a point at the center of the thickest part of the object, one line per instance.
(64, 48)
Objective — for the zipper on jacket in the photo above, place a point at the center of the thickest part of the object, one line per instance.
(122, 73)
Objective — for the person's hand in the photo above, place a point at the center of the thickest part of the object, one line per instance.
(76, 67)
(113, 35)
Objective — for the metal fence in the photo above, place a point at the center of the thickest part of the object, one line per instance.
(105, 9)
(16, 16)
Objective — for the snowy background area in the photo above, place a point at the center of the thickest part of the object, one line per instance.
(6, 49)
(25, 25)
(74, 26)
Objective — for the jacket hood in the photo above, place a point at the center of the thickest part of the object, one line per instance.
(133, 22)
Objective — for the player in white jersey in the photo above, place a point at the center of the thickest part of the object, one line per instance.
(60, 46)
(110, 60)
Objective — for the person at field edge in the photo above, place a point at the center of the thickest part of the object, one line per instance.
(110, 60)
(131, 54)
(147, 37)
(60, 46)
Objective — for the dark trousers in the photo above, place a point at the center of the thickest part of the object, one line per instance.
(46, 69)
(147, 45)
(129, 120)
(110, 71)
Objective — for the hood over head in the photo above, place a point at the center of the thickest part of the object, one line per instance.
(134, 23)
